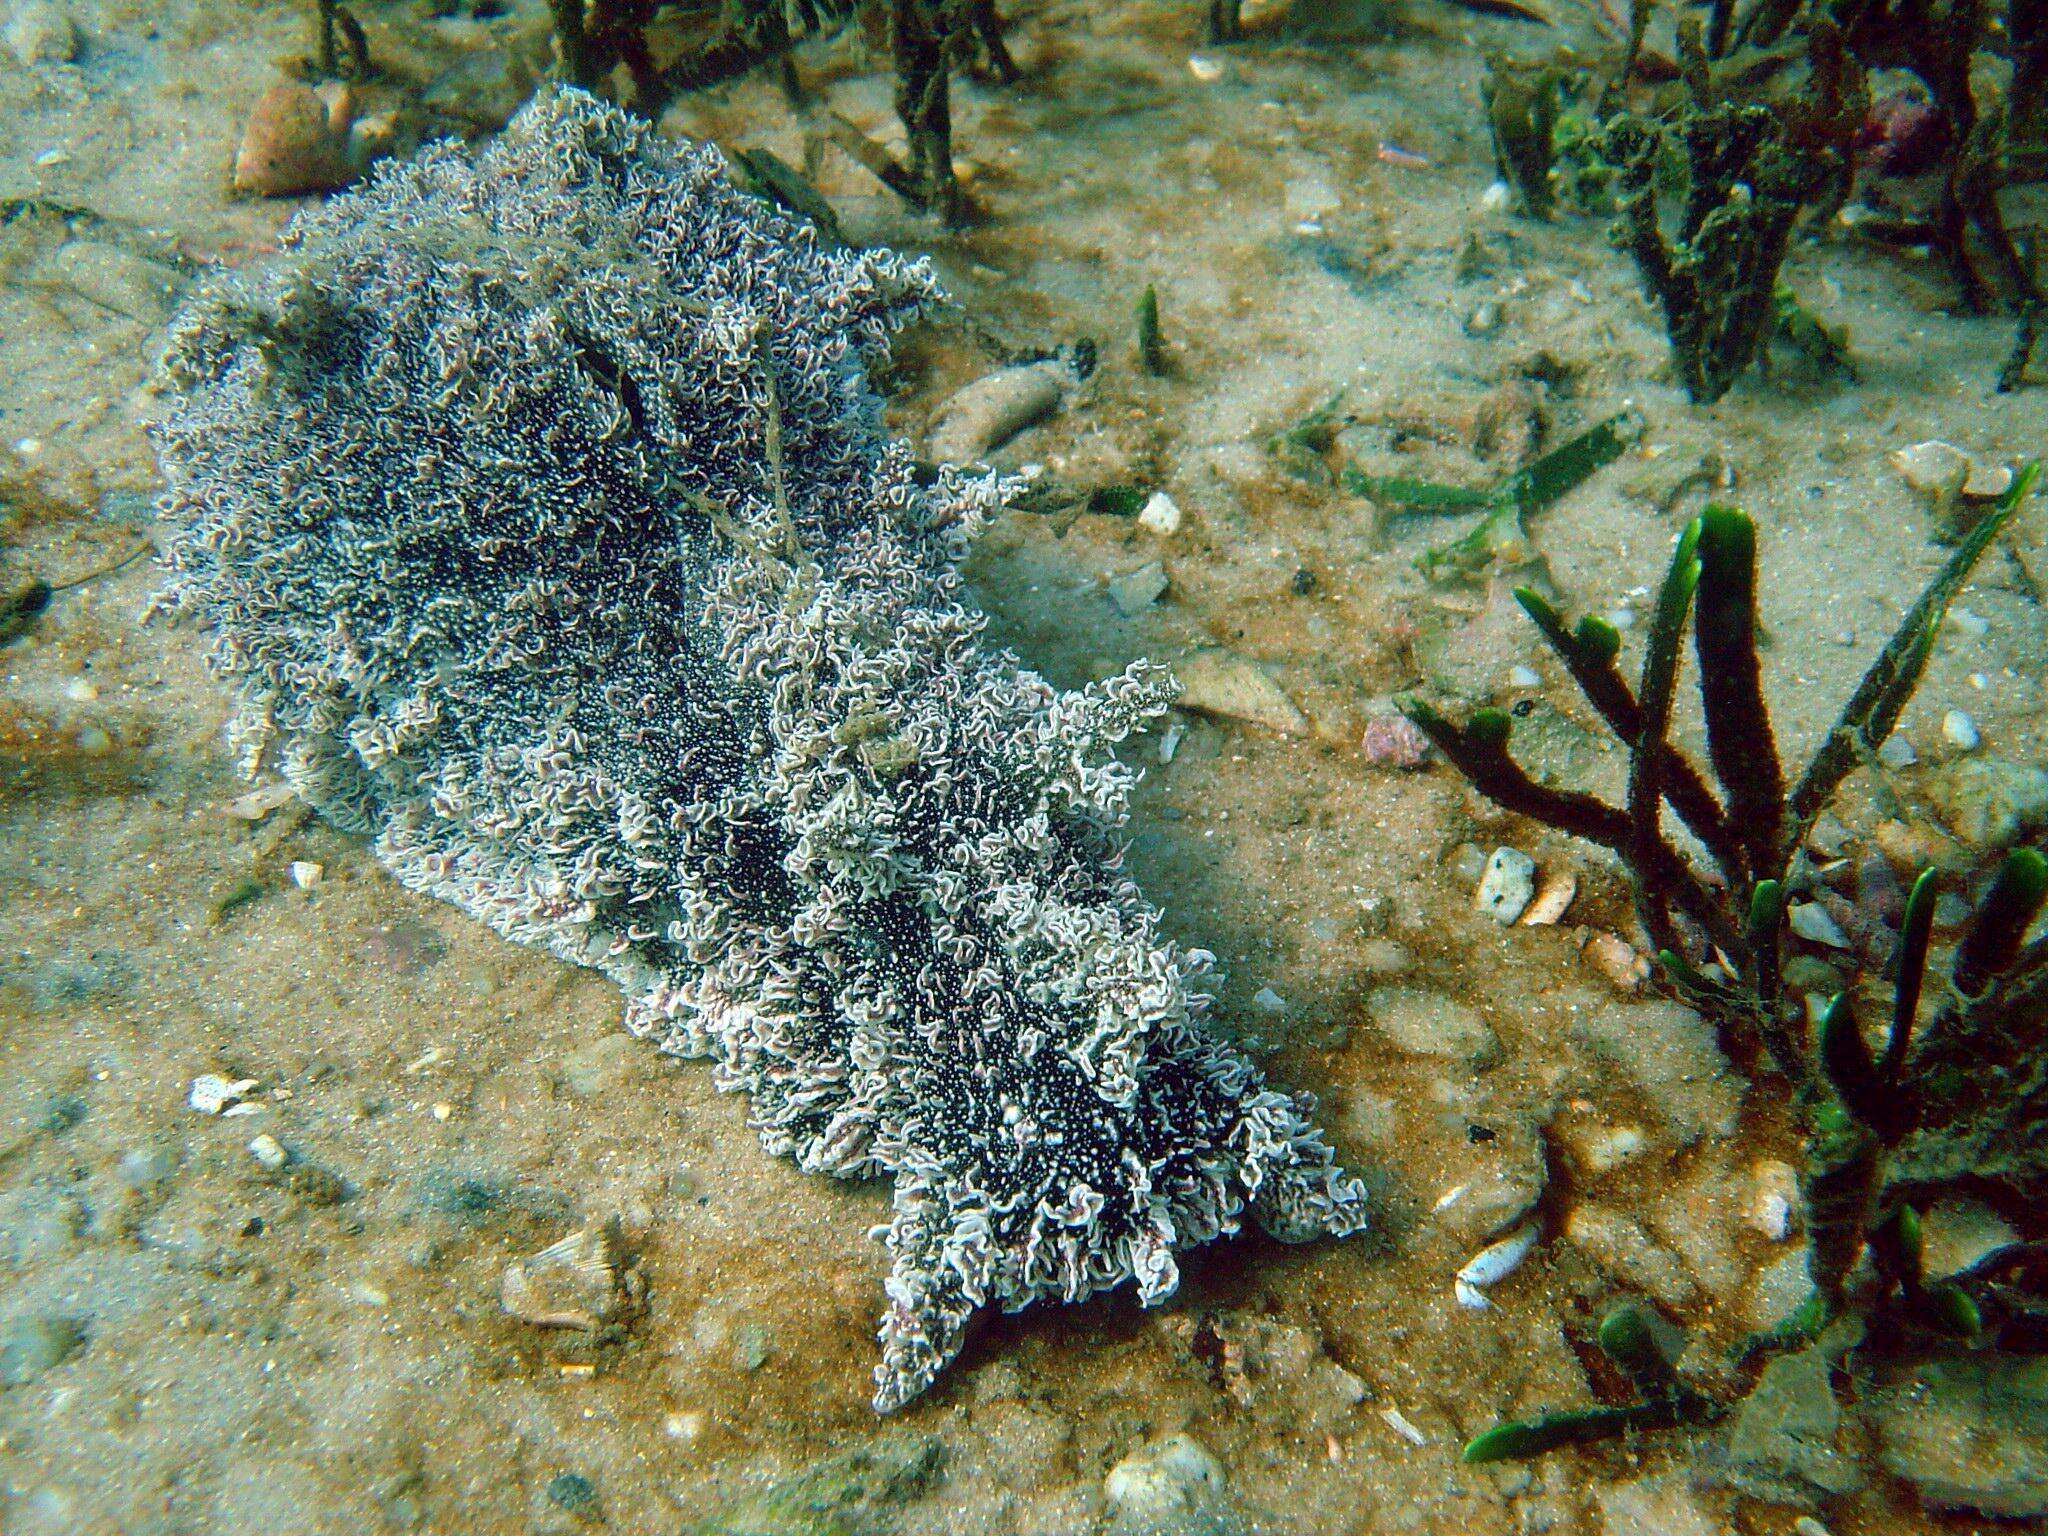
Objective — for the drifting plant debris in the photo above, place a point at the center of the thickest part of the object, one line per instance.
(1503, 533)
(768, 176)
(1662, 1400)
(1957, 1106)
(1150, 352)
(23, 607)
(333, 21)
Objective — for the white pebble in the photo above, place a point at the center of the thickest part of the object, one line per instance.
(1525, 676)
(81, 690)
(1897, 752)
(1506, 885)
(1622, 618)
(1497, 197)
(212, 1094)
(1815, 924)
(306, 874)
(269, 1151)
(1960, 731)
(1204, 69)
(1164, 1479)
(1161, 514)
(1267, 1001)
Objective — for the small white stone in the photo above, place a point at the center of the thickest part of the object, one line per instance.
(81, 690)
(1897, 752)
(1493, 1264)
(1777, 1196)
(1506, 885)
(1135, 591)
(1170, 739)
(1525, 676)
(1497, 197)
(1166, 1479)
(1960, 731)
(1204, 69)
(1552, 901)
(443, 1110)
(1622, 618)
(269, 1151)
(306, 874)
(27, 447)
(1815, 924)
(1267, 1001)
(212, 1094)
(1161, 515)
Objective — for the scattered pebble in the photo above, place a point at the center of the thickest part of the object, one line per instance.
(1161, 515)
(1269, 1002)
(1989, 802)
(212, 1094)
(270, 1152)
(1616, 959)
(1525, 676)
(1553, 899)
(1485, 319)
(977, 420)
(1497, 197)
(1393, 741)
(1170, 1478)
(574, 1492)
(306, 874)
(1135, 591)
(1204, 69)
(1493, 1264)
(33, 1346)
(1506, 885)
(1960, 731)
(1775, 1199)
(1815, 924)
(1402, 1425)
(1941, 472)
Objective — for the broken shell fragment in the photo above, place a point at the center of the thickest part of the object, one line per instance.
(581, 1282)
(1493, 1264)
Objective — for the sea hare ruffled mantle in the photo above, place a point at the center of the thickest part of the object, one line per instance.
(544, 523)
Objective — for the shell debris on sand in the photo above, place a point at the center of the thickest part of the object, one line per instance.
(581, 1282)
(1493, 1264)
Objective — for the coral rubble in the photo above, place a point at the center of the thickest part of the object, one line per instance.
(542, 517)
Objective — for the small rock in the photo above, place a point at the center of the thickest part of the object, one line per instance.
(1600, 1149)
(1897, 752)
(1777, 1290)
(1941, 472)
(43, 34)
(1173, 1477)
(270, 1152)
(33, 1346)
(1616, 959)
(1960, 731)
(1525, 676)
(1429, 1023)
(1553, 899)
(212, 1094)
(1161, 515)
(580, 1282)
(977, 420)
(1813, 923)
(1775, 1198)
(1506, 885)
(1269, 1002)
(1485, 318)
(1393, 741)
(306, 874)
(1954, 1234)
(1493, 1264)
(1970, 1433)
(1204, 68)
(1170, 739)
(1991, 803)
(1135, 591)
(1223, 683)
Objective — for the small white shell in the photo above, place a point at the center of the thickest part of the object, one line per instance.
(1493, 1264)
